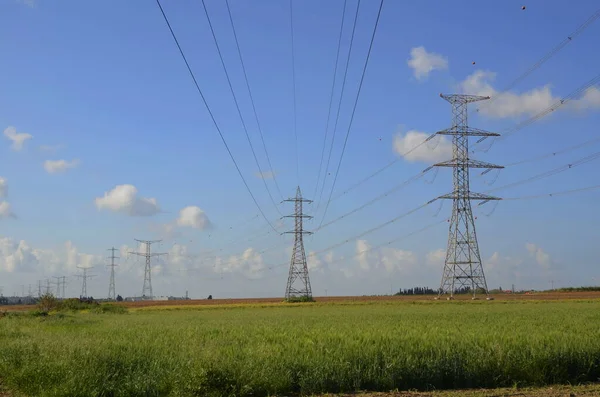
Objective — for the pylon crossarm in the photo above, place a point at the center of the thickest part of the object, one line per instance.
(467, 131)
(470, 163)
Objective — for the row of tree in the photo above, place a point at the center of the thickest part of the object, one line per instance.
(430, 291)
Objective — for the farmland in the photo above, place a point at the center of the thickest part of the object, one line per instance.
(337, 345)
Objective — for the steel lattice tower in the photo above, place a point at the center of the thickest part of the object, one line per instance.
(298, 284)
(111, 286)
(84, 278)
(147, 289)
(463, 268)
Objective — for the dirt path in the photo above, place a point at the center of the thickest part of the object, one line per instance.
(554, 391)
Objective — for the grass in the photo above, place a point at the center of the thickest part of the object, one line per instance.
(302, 349)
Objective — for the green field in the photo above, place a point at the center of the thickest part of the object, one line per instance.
(302, 349)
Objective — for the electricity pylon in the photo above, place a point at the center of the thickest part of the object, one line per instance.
(111, 286)
(298, 267)
(463, 268)
(147, 289)
(84, 278)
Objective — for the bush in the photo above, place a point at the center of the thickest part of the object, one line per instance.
(108, 308)
(297, 299)
(76, 304)
(48, 302)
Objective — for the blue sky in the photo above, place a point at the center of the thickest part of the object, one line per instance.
(104, 81)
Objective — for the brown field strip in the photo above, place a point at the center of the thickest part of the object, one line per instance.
(324, 299)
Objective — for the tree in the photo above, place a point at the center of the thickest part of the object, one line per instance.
(119, 298)
(209, 297)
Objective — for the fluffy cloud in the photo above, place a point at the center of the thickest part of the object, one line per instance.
(423, 62)
(19, 256)
(436, 258)
(541, 257)
(18, 138)
(3, 187)
(192, 216)
(250, 263)
(56, 166)
(5, 208)
(124, 199)
(388, 259)
(265, 175)
(529, 103)
(438, 149)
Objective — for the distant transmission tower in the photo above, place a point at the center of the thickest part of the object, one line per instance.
(147, 290)
(298, 283)
(84, 278)
(111, 286)
(463, 269)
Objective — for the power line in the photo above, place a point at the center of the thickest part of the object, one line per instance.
(560, 193)
(510, 131)
(397, 218)
(337, 117)
(512, 84)
(294, 90)
(353, 109)
(395, 240)
(551, 172)
(237, 106)
(381, 196)
(547, 56)
(337, 58)
(237, 44)
(548, 155)
(375, 247)
(210, 112)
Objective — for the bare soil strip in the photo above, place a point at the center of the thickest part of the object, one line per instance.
(408, 298)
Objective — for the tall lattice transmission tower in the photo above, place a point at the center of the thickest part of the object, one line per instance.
(147, 289)
(111, 285)
(84, 278)
(298, 284)
(463, 269)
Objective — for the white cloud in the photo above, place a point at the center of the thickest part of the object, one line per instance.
(423, 62)
(512, 105)
(192, 216)
(436, 258)
(314, 263)
(18, 138)
(250, 263)
(20, 257)
(6, 210)
(266, 174)
(362, 254)
(404, 143)
(56, 166)
(124, 198)
(541, 258)
(3, 187)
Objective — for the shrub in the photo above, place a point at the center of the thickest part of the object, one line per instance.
(108, 308)
(297, 299)
(47, 302)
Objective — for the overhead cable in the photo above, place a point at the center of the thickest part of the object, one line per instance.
(362, 78)
(237, 106)
(211, 114)
(262, 138)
